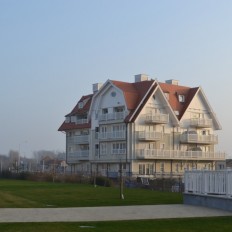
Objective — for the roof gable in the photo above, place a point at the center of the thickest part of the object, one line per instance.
(78, 111)
(208, 107)
(133, 92)
(86, 105)
(174, 91)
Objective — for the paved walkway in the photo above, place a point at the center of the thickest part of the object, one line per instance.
(84, 214)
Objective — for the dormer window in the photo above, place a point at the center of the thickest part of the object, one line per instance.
(80, 105)
(181, 98)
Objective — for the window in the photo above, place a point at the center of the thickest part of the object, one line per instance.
(103, 147)
(163, 129)
(204, 132)
(103, 129)
(141, 169)
(162, 146)
(149, 169)
(96, 149)
(146, 169)
(119, 109)
(103, 132)
(162, 167)
(119, 127)
(113, 94)
(118, 148)
(105, 111)
(80, 105)
(181, 98)
(177, 167)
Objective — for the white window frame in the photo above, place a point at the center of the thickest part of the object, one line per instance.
(181, 98)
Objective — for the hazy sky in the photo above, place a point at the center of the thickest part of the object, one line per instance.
(52, 51)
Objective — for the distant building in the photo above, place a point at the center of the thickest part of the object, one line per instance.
(146, 128)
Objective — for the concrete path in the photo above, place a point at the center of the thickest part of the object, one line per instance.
(84, 214)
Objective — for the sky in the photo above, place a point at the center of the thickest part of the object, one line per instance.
(52, 51)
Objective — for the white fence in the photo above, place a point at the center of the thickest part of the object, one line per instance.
(209, 182)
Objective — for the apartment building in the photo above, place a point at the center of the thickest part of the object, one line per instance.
(144, 129)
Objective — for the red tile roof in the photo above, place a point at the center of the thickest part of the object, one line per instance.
(134, 93)
(174, 91)
(72, 126)
(78, 111)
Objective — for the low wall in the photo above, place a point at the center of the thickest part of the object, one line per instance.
(211, 201)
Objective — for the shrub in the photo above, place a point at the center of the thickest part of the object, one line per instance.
(103, 181)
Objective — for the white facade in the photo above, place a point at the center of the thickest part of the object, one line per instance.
(151, 129)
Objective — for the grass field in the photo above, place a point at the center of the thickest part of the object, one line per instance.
(219, 224)
(28, 194)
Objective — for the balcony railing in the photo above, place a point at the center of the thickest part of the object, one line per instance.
(176, 154)
(201, 139)
(209, 182)
(157, 118)
(77, 156)
(112, 117)
(79, 139)
(81, 121)
(117, 156)
(150, 135)
(118, 151)
(115, 135)
(201, 122)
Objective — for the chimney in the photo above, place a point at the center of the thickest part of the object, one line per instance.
(172, 82)
(141, 77)
(96, 87)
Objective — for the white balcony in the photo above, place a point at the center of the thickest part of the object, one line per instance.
(116, 116)
(115, 135)
(116, 156)
(178, 155)
(82, 121)
(201, 122)
(150, 135)
(81, 155)
(199, 139)
(118, 151)
(157, 118)
(79, 139)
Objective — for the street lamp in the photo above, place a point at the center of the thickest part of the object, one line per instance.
(121, 181)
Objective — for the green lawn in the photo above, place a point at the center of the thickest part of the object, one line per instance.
(166, 225)
(28, 194)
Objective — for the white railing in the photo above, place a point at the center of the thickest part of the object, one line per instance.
(195, 138)
(157, 118)
(78, 155)
(201, 122)
(112, 135)
(118, 151)
(81, 121)
(209, 182)
(150, 135)
(79, 139)
(112, 116)
(119, 155)
(176, 154)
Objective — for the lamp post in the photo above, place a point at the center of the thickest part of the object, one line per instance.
(121, 181)
(19, 162)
